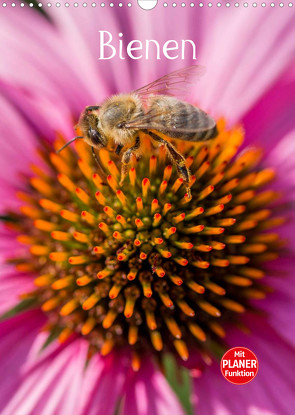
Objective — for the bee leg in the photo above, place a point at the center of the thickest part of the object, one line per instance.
(177, 159)
(118, 149)
(101, 171)
(126, 159)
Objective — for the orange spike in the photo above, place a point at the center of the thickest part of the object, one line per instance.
(145, 187)
(181, 261)
(113, 169)
(194, 229)
(167, 173)
(264, 177)
(166, 208)
(218, 246)
(49, 205)
(139, 204)
(194, 213)
(202, 154)
(109, 319)
(197, 332)
(183, 245)
(60, 236)
(214, 210)
(209, 308)
(139, 223)
(43, 225)
(100, 198)
(226, 222)
(178, 182)
(169, 232)
(41, 186)
(185, 308)
(132, 274)
(66, 182)
(181, 349)
(232, 305)
(176, 280)
(236, 280)
(217, 178)
(121, 220)
(65, 334)
(109, 211)
(154, 206)
(219, 262)
(43, 280)
(229, 186)
(69, 307)
(203, 248)
(235, 239)
(201, 264)
(39, 250)
(153, 165)
(251, 272)
(212, 230)
(166, 299)
(151, 320)
(156, 340)
(238, 259)
(178, 218)
(51, 304)
(88, 326)
(85, 168)
(107, 347)
(132, 335)
(173, 327)
(189, 161)
(97, 180)
(68, 215)
(205, 192)
(90, 302)
(78, 260)
(163, 187)
(112, 183)
(244, 197)
(216, 289)
(114, 291)
(62, 283)
(59, 164)
(81, 237)
(103, 274)
(117, 235)
(260, 215)
(58, 256)
(30, 212)
(104, 227)
(83, 280)
(88, 217)
(202, 170)
(157, 219)
(82, 195)
(121, 196)
(160, 272)
(132, 176)
(224, 200)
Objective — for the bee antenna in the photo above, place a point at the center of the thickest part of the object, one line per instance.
(69, 142)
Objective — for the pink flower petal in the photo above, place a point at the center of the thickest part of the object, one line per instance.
(103, 384)
(148, 393)
(270, 393)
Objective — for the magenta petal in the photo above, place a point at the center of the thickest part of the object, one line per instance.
(18, 336)
(52, 385)
(103, 384)
(148, 393)
(270, 393)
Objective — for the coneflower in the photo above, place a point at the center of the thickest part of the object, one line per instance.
(143, 266)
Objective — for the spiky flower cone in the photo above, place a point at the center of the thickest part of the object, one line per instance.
(142, 266)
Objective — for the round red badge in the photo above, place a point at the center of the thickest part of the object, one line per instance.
(239, 365)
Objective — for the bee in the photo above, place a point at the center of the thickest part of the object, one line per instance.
(156, 110)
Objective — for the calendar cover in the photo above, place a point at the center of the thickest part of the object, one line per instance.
(147, 207)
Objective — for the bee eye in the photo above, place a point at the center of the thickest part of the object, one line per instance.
(94, 136)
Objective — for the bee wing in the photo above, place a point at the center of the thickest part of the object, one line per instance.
(174, 84)
(176, 127)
